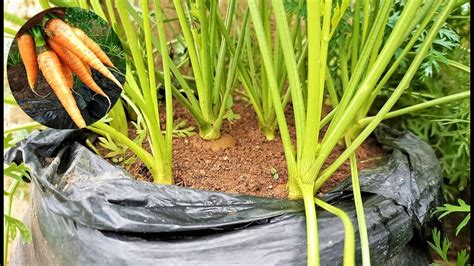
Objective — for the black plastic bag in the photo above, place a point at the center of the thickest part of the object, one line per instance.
(85, 211)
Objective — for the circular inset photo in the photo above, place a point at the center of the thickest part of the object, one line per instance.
(66, 68)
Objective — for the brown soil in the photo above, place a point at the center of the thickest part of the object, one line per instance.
(242, 161)
(20, 87)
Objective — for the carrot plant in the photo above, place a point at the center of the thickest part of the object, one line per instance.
(141, 93)
(253, 76)
(364, 70)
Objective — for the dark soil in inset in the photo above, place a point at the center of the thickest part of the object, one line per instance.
(242, 161)
(45, 108)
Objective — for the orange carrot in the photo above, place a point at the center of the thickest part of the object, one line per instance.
(87, 67)
(93, 46)
(26, 46)
(67, 75)
(62, 33)
(76, 65)
(50, 66)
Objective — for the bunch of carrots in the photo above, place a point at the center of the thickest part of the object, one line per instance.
(64, 51)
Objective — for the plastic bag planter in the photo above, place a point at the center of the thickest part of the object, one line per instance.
(85, 211)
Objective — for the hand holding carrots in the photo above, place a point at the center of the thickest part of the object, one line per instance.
(65, 51)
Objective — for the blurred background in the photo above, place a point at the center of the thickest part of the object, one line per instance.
(13, 115)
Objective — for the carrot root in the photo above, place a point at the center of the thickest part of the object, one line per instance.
(93, 46)
(67, 75)
(63, 34)
(27, 49)
(50, 66)
(76, 65)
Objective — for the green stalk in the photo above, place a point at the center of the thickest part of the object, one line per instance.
(30, 125)
(344, 69)
(315, 91)
(221, 57)
(119, 119)
(327, 118)
(8, 210)
(231, 77)
(214, 43)
(292, 69)
(9, 31)
(268, 66)
(359, 206)
(349, 237)
(132, 40)
(152, 118)
(83, 4)
(331, 90)
(377, 45)
(132, 88)
(44, 4)
(403, 85)
(459, 66)
(190, 102)
(266, 92)
(358, 73)
(355, 36)
(98, 9)
(195, 63)
(167, 73)
(312, 239)
(64, 3)
(162, 173)
(365, 22)
(38, 37)
(249, 82)
(187, 89)
(406, 50)
(455, 97)
(14, 18)
(205, 58)
(111, 13)
(331, 138)
(360, 69)
(8, 99)
(150, 62)
(144, 156)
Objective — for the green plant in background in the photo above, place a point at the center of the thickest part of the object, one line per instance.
(449, 208)
(445, 71)
(16, 175)
(253, 76)
(442, 248)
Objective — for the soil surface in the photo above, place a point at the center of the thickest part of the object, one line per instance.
(242, 161)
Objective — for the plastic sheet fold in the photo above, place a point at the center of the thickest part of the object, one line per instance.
(85, 211)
